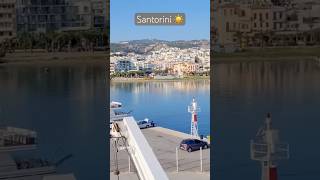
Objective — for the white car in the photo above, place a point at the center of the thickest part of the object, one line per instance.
(146, 123)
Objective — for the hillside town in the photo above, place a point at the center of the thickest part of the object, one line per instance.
(161, 61)
(241, 24)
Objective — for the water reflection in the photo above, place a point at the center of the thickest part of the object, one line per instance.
(165, 102)
(243, 93)
(163, 86)
(66, 106)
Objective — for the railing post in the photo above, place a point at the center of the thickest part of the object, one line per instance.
(201, 168)
(129, 163)
(177, 158)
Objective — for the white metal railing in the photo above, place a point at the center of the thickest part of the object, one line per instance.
(177, 159)
(146, 163)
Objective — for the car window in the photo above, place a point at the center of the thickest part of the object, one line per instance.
(197, 141)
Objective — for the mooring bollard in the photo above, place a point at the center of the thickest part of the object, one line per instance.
(177, 158)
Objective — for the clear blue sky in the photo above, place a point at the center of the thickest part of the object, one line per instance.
(122, 27)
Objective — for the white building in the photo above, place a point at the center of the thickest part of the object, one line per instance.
(124, 65)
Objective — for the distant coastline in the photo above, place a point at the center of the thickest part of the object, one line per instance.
(189, 78)
(269, 54)
(100, 57)
(54, 58)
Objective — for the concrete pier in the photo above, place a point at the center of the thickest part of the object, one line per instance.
(164, 143)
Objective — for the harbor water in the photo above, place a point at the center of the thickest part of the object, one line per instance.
(165, 102)
(244, 92)
(66, 106)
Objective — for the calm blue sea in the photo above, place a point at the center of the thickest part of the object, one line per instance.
(165, 102)
(66, 106)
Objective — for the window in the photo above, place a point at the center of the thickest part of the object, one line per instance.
(227, 27)
(189, 141)
(260, 17)
(243, 13)
(85, 8)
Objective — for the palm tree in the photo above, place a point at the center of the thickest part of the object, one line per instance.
(51, 40)
(90, 39)
(239, 37)
(2, 50)
(40, 40)
(64, 40)
(8, 45)
(27, 40)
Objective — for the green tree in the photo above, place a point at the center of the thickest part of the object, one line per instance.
(239, 37)
(24, 41)
(2, 50)
(89, 39)
(51, 40)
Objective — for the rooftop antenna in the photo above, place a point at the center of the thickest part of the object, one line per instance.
(267, 149)
(194, 109)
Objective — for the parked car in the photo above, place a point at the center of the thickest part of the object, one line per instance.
(193, 144)
(146, 123)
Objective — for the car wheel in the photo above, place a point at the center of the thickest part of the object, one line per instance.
(147, 126)
(189, 149)
(205, 146)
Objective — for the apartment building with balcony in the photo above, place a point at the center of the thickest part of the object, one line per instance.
(99, 14)
(7, 19)
(266, 23)
(60, 15)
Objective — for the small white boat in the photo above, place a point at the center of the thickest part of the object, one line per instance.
(17, 139)
(115, 105)
(115, 112)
